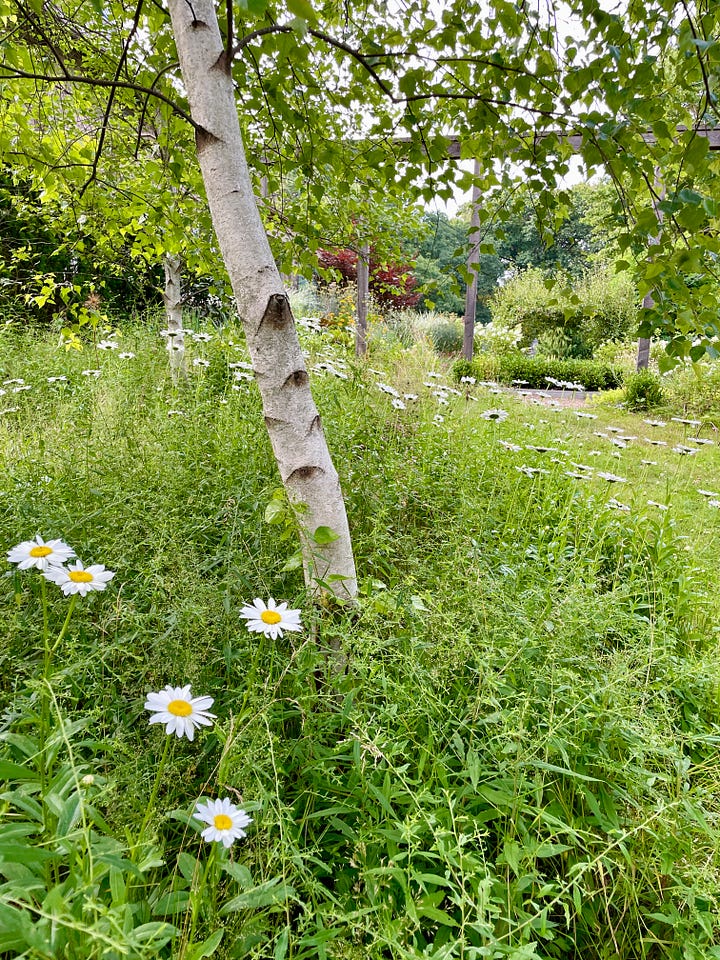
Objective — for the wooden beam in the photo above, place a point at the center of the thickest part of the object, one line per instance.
(712, 134)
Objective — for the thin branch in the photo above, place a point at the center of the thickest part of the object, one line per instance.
(37, 25)
(111, 98)
(7, 74)
(703, 69)
(143, 112)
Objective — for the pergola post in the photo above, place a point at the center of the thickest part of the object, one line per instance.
(643, 354)
(363, 290)
(472, 266)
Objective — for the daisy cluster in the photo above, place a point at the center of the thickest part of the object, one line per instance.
(182, 714)
(174, 706)
(50, 557)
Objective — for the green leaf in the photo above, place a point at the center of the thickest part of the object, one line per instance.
(171, 903)
(275, 512)
(265, 895)
(207, 948)
(324, 535)
(302, 9)
(16, 771)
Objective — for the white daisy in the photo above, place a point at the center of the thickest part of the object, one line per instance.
(610, 477)
(128, 355)
(8, 383)
(180, 712)
(270, 618)
(226, 822)
(655, 423)
(108, 345)
(77, 578)
(469, 380)
(398, 404)
(689, 423)
(616, 505)
(498, 415)
(57, 379)
(199, 362)
(386, 388)
(24, 386)
(91, 373)
(38, 553)
(240, 365)
(707, 493)
(201, 337)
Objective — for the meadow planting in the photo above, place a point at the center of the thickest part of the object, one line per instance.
(508, 748)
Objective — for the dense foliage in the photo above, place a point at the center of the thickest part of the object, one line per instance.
(569, 318)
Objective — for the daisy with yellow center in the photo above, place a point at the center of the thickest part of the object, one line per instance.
(225, 822)
(180, 712)
(37, 553)
(77, 578)
(270, 618)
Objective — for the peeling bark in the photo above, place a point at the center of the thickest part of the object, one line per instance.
(291, 416)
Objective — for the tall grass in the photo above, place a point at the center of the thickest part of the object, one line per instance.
(519, 759)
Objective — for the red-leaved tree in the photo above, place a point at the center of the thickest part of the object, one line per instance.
(391, 284)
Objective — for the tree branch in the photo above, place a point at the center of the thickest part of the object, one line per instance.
(6, 73)
(111, 98)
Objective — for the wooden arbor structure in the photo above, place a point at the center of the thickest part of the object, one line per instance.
(712, 133)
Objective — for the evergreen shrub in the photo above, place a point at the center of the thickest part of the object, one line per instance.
(643, 390)
(534, 371)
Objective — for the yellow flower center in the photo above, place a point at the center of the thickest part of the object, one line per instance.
(222, 822)
(179, 708)
(80, 576)
(270, 616)
(41, 551)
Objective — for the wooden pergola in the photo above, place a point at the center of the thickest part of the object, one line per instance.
(454, 152)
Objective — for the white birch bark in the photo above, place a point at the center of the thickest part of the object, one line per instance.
(172, 296)
(292, 419)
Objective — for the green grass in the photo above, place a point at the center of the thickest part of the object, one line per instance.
(521, 756)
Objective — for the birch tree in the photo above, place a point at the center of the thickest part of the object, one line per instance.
(291, 417)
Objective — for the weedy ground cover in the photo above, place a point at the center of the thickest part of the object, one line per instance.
(519, 757)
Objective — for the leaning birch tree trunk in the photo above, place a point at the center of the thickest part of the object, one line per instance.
(172, 295)
(291, 417)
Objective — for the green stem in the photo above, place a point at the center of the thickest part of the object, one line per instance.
(154, 793)
(61, 635)
(197, 893)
